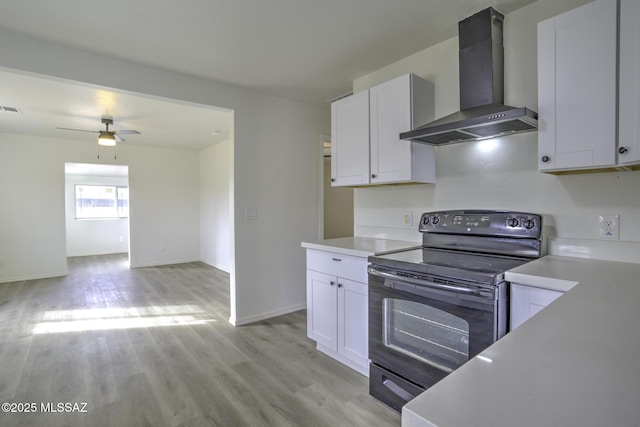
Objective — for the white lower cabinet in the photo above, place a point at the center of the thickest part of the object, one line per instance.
(526, 301)
(337, 307)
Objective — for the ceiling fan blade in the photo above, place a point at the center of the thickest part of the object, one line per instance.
(118, 139)
(126, 132)
(80, 130)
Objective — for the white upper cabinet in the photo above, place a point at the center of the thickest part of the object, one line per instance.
(365, 128)
(577, 76)
(397, 106)
(629, 98)
(350, 140)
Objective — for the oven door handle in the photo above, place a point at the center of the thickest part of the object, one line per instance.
(458, 289)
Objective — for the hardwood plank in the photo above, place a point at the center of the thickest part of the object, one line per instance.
(277, 396)
(123, 359)
(137, 404)
(153, 347)
(14, 357)
(211, 397)
(99, 374)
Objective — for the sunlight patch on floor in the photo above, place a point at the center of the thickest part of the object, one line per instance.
(95, 319)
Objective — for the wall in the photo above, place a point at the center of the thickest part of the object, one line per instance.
(32, 232)
(277, 172)
(501, 173)
(268, 264)
(338, 207)
(216, 167)
(94, 236)
(164, 204)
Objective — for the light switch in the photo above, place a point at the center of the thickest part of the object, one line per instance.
(250, 214)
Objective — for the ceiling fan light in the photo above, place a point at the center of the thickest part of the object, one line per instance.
(106, 139)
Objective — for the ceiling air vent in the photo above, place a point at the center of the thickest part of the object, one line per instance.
(14, 110)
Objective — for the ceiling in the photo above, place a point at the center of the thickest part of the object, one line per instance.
(309, 51)
(45, 104)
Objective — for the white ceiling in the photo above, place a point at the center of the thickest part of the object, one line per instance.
(46, 104)
(304, 50)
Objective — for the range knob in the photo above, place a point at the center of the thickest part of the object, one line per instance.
(528, 224)
(513, 222)
(426, 220)
(435, 220)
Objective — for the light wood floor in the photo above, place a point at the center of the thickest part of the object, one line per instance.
(153, 347)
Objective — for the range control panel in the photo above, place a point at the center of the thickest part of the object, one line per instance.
(483, 223)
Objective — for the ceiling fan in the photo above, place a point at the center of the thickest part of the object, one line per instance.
(107, 137)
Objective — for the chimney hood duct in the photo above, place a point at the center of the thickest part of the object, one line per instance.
(482, 112)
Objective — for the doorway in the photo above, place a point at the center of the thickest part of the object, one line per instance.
(96, 209)
(337, 201)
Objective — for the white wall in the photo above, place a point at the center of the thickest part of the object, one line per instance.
(32, 231)
(94, 236)
(276, 170)
(216, 168)
(164, 205)
(338, 207)
(502, 176)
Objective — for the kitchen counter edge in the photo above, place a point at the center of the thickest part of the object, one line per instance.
(360, 246)
(571, 364)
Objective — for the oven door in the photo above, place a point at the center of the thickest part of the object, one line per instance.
(423, 329)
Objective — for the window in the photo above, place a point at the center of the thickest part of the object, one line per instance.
(101, 201)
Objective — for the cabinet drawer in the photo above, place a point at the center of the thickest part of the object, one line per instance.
(349, 267)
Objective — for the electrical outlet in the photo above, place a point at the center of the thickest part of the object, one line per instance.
(609, 227)
(408, 219)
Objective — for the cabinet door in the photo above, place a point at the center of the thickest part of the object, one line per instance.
(577, 88)
(393, 106)
(350, 140)
(527, 301)
(629, 112)
(353, 321)
(390, 114)
(322, 306)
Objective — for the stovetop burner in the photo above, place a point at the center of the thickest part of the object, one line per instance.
(470, 245)
(472, 267)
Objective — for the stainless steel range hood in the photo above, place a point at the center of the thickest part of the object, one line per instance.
(482, 112)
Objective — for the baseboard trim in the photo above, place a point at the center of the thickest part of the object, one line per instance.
(76, 255)
(263, 316)
(161, 263)
(226, 270)
(33, 277)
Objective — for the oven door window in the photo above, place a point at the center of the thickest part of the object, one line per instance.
(425, 333)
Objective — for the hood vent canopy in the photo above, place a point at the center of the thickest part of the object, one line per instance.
(482, 111)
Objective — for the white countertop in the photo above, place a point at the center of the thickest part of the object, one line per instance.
(360, 246)
(557, 273)
(576, 363)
